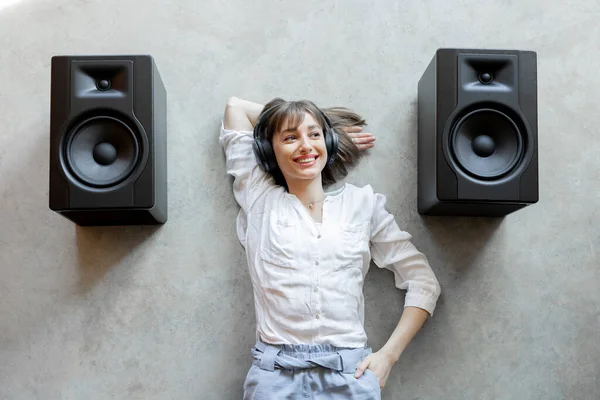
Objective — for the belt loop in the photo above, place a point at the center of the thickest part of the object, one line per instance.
(350, 360)
(267, 360)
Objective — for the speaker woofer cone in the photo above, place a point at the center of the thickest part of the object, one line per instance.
(102, 151)
(486, 143)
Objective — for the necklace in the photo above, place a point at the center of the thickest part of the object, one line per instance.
(311, 205)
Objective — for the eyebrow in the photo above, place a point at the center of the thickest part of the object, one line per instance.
(311, 127)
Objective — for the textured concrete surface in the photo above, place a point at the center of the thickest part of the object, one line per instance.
(167, 313)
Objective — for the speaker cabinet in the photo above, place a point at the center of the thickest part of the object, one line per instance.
(477, 133)
(108, 140)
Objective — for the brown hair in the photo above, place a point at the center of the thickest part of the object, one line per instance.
(293, 113)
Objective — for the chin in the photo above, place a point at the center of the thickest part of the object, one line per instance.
(306, 175)
(315, 173)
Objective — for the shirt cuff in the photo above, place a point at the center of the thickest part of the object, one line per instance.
(244, 132)
(421, 300)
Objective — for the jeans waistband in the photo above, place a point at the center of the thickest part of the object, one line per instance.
(345, 360)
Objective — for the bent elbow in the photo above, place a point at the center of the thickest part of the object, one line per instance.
(232, 101)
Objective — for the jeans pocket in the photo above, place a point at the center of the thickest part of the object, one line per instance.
(375, 380)
(259, 383)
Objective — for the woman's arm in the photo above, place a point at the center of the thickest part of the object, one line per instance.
(391, 248)
(381, 362)
(241, 115)
(411, 321)
(236, 140)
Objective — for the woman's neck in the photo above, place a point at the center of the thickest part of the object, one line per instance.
(307, 192)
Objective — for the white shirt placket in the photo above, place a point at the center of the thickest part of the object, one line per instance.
(317, 239)
(315, 277)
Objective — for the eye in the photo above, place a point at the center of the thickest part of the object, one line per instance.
(288, 138)
(316, 134)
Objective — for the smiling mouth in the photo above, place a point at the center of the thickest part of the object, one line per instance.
(307, 160)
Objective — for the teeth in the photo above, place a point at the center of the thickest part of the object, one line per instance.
(307, 160)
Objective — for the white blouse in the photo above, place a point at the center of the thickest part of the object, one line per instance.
(308, 277)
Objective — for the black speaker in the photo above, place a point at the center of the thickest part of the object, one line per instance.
(108, 140)
(477, 133)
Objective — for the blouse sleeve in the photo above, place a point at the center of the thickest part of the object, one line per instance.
(250, 181)
(391, 249)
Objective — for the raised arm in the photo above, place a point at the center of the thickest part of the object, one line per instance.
(241, 115)
(236, 138)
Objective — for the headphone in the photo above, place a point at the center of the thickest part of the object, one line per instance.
(263, 149)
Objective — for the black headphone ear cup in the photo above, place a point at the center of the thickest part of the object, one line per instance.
(270, 158)
(262, 147)
(260, 154)
(265, 156)
(331, 140)
(333, 147)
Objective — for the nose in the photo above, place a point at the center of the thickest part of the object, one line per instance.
(304, 143)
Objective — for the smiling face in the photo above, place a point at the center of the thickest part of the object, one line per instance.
(301, 153)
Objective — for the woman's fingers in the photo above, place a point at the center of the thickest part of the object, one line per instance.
(352, 129)
(362, 366)
(359, 134)
(365, 146)
(364, 142)
(363, 139)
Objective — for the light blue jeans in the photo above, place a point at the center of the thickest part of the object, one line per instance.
(308, 372)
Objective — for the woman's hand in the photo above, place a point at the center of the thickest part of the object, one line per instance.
(380, 363)
(363, 140)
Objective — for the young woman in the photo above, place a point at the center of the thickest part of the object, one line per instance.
(309, 250)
